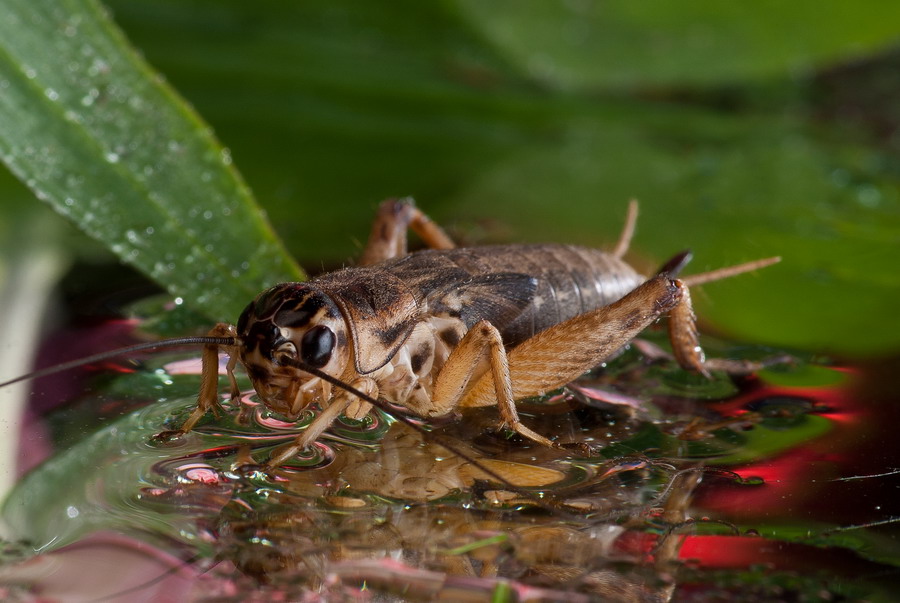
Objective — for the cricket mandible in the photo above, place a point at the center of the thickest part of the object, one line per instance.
(449, 328)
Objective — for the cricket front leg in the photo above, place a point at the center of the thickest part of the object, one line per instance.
(388, 236)
(323, 421)
(208, 398)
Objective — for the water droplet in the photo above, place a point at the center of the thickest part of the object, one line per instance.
(74, 180)
(840, 177)
(868, 196)
(88, 99)
(98, 67)
(149, 230)
(112, 157)
(207, 215)
(51, 94)
(72, 512)
(226, 156)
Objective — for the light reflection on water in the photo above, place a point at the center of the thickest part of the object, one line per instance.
(673, 466)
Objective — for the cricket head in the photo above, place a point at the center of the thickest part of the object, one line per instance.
(286, 327)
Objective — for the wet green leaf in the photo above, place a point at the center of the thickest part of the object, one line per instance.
(764, 441)
(79, 492)
(95, 132)
(806, 375)
(863, 540)
(649, 439)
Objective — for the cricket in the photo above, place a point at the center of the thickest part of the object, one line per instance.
(444, 329)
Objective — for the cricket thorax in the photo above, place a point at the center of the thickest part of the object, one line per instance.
(408, 379)
(284, 326)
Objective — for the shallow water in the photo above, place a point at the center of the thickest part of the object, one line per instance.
(776, 485)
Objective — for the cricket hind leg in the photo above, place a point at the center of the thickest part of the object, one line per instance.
(683, 323)
(683, 334)
(388, 237)
(561, 353)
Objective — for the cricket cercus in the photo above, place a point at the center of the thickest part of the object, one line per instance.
(448, 328)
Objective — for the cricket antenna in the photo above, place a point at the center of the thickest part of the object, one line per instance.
(674, 266)
(728, 271)
(140, 347)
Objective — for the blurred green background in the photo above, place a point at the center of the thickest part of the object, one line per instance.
(745, 130)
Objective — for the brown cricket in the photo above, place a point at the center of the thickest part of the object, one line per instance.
(449, 328)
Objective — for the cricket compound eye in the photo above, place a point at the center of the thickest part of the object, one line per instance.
(317, 346)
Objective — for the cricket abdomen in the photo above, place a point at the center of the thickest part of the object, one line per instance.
(566, 281)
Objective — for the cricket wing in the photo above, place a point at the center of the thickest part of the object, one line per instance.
(498, 298)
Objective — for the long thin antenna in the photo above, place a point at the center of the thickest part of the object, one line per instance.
(627, 230)
(140, 347)
(728, 271)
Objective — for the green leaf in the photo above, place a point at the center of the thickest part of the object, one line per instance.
(618, 43)
(88, 483)
(94, 131)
